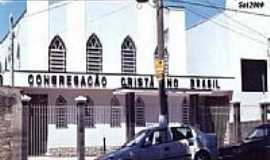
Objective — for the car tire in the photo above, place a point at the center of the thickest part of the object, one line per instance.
(202, 156)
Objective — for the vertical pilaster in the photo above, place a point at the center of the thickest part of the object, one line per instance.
(81, 103)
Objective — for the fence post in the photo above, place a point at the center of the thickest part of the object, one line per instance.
(25, 122)
(81, 103)
(264, 105)
(236, 121)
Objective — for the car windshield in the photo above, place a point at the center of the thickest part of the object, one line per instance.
(257, 133)
(137, 138)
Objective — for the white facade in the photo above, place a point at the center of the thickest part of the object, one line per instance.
(74, 22)
(205, 52)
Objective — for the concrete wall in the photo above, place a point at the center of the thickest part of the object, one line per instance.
(10, 125)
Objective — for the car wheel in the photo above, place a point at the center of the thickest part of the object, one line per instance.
(202, 156)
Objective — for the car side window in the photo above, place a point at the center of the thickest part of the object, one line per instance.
(159, 137)
(185, 131)
(257, 133)
(177, 134)
(156, 137)
(268, 131)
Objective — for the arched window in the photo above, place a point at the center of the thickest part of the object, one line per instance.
(61, 112)
(185, 111)
(57, 55)
(166, 60)
(140, 117)
(89, 113)
(93, 55)
(115, 112)
(128, 60)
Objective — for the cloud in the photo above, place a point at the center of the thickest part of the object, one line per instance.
(3, 1)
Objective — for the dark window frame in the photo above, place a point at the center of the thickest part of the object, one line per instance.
(89, 113)
(140, 112)
(128, 54)
(94, 55)
(115, 120)
(57, 55)
(250, 82)
(61, 117)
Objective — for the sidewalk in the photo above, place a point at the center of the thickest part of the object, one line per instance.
(58, 158)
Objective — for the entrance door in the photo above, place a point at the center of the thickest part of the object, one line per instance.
(38, 125)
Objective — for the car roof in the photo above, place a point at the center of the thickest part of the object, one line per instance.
(263, 126)
(158, 127)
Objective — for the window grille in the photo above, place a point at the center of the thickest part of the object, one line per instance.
(186, 119)
(128, 60)
(115, 113)
(57, 55)
(93, 55)
(89, 114)
(61, 112)
(140, 116)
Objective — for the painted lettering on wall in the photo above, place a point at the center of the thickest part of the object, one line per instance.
(204, 83)
(137, 82)
(84, 81)
(48, 80)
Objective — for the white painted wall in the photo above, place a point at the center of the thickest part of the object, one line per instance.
(218, 45)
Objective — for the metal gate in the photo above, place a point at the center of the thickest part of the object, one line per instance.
(37, 125)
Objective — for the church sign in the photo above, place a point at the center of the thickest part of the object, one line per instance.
(113, 81)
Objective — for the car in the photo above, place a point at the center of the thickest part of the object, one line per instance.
(255, 146)
(177, 142)
(152, 144)
(203, 146)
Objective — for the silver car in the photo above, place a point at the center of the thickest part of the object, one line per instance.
(202, 146)
(153, 144)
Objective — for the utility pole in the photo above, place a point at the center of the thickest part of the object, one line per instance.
(11, 25)
(159, 64)
(164, 117)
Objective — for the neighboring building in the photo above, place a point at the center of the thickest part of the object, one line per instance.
(235, 44)
(103, 51)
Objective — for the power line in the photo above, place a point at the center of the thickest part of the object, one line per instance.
(241, 24)
(48, 9)
(227, 28)
(218, 8)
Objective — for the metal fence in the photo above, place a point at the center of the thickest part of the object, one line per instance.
(52, 130)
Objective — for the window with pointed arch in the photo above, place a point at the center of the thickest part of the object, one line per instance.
(57, 55)
(61, 112)
(166, 60)
(89, 113)
(128, 56)
(139, 114)
(93, 55)
(115, 112)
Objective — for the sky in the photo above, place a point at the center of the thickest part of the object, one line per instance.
(16, 8)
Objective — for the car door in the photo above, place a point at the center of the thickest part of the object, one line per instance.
(179, 143)
(152, 148)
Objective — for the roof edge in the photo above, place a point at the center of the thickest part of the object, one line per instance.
(15, 24)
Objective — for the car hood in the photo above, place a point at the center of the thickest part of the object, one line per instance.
(123, 153)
